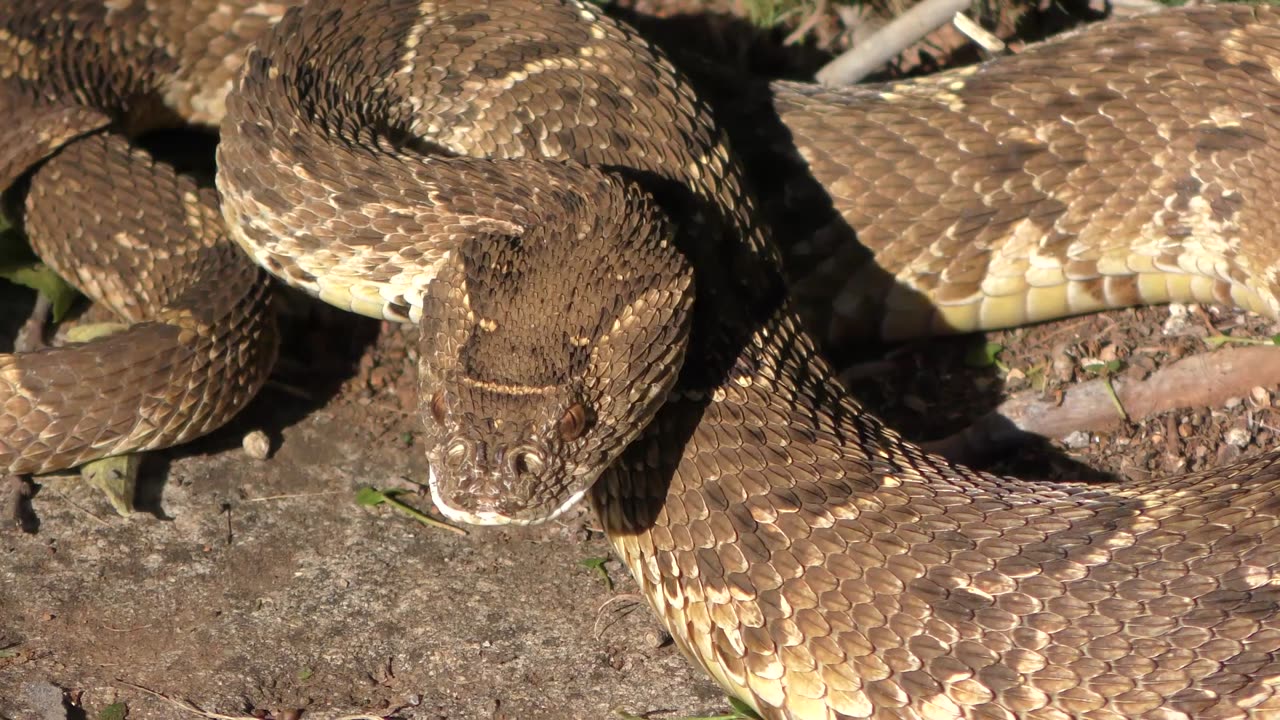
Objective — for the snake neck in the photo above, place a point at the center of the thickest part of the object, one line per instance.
(817, 565)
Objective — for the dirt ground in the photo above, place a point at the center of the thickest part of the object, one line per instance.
(261, 588)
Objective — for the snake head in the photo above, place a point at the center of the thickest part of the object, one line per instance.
(545, 352)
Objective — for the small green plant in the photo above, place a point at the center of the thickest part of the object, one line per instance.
(1217, 341)
(597, 564)
(373, 497)
(768, 13)
(114, 711)
(20, 266)
(985, 354)
(1105, 370)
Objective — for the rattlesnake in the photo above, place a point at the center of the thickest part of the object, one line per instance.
(603, 312)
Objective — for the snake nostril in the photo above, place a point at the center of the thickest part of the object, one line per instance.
(439, 407)
(510, 507)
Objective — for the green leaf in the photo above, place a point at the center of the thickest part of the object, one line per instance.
(1115, 399)
(597, 564)
(89, 332)
(1217, 341)
(370, 497)
(117, 477)
(743, 709)
(1106, 368)
(768, 13)
(40, 278)
(373, 497)
(114, 711)
(305, 674)
(981, 355)
(18, 265)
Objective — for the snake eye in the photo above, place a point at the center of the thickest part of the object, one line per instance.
(573, 423)
(456, 454)
(527, 462)
(439, 411)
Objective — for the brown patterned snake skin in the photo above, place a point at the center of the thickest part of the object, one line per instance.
(603, 313)
(132, 235)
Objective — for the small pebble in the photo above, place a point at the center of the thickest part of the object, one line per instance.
(1232, 403)
(1260, 396)
(1179, 315)
(1238, 437)
(1076, 440)
(656, 638)
(257, 445)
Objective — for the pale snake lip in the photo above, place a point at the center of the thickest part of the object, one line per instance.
(488, 517)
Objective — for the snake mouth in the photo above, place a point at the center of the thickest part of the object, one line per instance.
(489, 517)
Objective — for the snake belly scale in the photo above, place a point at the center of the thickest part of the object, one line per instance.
(604, 314)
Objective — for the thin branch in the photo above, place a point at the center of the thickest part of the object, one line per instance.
(980, 35)
(890, 41)
(1196, 381)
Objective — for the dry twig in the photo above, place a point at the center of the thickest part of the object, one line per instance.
(891, 40)
(1200, 380)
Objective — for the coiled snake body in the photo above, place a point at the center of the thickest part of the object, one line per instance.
(603, 313)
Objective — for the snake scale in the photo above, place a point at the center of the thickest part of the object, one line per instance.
(604, 314)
